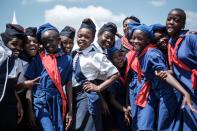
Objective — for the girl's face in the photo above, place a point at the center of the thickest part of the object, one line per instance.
(67, 44)
(118, 59)
(106, 40)
(174, 23)
(15, 45)
(139, 40)
(84, 38)
(125, 26)
(161, 40)
(31, 46)
(50, 40)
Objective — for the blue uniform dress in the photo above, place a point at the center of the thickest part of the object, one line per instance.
(88, 65)
(163, 100)
(187, 53)
(47, 101)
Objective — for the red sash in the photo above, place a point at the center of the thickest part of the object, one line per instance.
(50, 64)
(133, 62)
(172, 58)
(126, 43)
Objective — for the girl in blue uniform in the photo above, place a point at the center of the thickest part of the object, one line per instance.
(88, 66)
(148, 91)
(55, 70)
(183, 60)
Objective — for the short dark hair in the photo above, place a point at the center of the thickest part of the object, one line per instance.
(182, 12)
(132, 18)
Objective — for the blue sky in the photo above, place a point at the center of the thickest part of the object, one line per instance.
(71, 12)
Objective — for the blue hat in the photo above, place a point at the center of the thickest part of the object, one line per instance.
(132, 26)
(44, 28)
(111, 51)
(158, 27)
(146, 29)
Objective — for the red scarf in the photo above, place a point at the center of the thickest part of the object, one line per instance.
(126, 43)
(50, 64)
(142, 97)
(173, 59)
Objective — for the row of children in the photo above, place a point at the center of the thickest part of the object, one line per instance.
(146, 80)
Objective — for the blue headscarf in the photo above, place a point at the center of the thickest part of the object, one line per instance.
(132, 27)
(44, 28)
(158, 27)
(146, 29)
(111, 51)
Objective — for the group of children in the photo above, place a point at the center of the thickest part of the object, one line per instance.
(145, 80)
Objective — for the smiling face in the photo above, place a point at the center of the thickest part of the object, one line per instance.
(106, 40)
(31, 46)
(118, 59)
(161, 40)
(66, 44)
(50, 40)
(175, 22)
(139, 40)
(15, 44)
(84, 38)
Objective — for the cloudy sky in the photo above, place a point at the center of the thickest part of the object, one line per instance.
(72, 12)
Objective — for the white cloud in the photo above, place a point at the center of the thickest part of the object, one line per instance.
(191, 20)
(157, 3)
(61, 16)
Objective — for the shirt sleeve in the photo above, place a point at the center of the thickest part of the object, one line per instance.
(193, 44)
(156, 61)
(106, 68)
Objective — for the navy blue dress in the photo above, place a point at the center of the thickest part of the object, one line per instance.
(47, 101)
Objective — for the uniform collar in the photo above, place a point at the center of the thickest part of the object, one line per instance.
(87, 50)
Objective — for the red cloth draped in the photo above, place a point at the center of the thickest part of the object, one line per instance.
(126, 43)
(50, 63)
(134, 63)
(172, 58)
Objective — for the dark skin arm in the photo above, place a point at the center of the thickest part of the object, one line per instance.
(28, 83)
(173, 82)
(19, 108)
(31, 115)
(88, 86)
(69, 114)
(120, 108)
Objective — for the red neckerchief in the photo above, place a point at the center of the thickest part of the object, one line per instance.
(172, 58)
(142, 97)
(50, 64)
(126, 43)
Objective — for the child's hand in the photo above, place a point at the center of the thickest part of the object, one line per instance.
(32, 119)
(127, 115)
(187, 101)
(19, 111)
(31, 83)
(88, 86)
(68, 121)
(161, 74)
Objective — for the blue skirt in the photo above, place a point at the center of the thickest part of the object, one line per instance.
(48, 109)
(86, 110)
